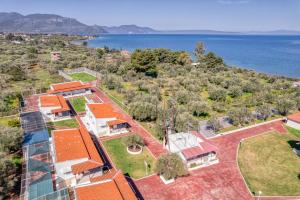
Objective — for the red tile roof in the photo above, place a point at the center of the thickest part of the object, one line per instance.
(103, 110)
(193, 152)
(54, 101)
(295, 117)
(73, 144)
(116, 188)
(115, 122)
(68, 86)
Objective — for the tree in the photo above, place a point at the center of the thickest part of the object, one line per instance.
(214, 124)
(170, 166)
(264, 111)
(235, 91)
(239, 116)
(143, 111)
(11, 139)
(134, 141)
(284, 105)
(100, 52)
(217, 94)
(199, 51)
(212, 60)
(199, 108)
(182, 97)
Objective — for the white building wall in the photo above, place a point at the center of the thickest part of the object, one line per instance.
(64, 170)
(293, 124)
(97, 125)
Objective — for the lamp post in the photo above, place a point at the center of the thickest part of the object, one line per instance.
(259, 193)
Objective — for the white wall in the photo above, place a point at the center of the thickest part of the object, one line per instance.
(293, 124)
(97, 125)
(64, 170)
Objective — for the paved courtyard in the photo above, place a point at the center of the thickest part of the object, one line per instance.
(220, 181)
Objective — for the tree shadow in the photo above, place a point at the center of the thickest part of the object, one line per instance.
(294, 144)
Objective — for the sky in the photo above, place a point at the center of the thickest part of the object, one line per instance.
(222, 15)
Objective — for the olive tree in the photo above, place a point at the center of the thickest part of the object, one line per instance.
(214, 124)
(239, 116)
(264, 111)
(134, 141)
(170, 166)
(284, 105)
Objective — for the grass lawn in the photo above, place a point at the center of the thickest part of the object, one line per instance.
(78, 104)
(131, 164)
(293, 131)
(70, 123)
(269, 164)
(5, 120)
(84, 77)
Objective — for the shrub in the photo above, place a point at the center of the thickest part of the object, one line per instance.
(199, 108)
(217, 94)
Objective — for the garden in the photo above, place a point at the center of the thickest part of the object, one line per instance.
(78, 104)
(136, 166)
(82, 76)
(269, 164)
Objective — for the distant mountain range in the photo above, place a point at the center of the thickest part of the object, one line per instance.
(55, 24)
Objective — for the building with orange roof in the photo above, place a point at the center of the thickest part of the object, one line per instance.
(54, 107)
(76, 157)
(73, 88)
(114, 188)
(293, 120)
(102, 120)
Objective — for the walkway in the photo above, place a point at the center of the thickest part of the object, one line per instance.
(153, 145)
(220, 181)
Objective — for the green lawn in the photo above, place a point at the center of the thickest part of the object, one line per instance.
(5, 120)
(84, 77)
(294, 131)
(131, 164)
(69, 123)
(269, 164)
(150, 127)
(78, 104)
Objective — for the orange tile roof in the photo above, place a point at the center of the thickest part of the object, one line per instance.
(68, 86)
(103, 110)
(115, 122)
(295, 117)
(72, 144)
(54, 101)
(116, 188)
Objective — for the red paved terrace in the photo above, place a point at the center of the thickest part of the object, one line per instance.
(220, 181)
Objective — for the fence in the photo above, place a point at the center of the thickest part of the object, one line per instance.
(65, 73)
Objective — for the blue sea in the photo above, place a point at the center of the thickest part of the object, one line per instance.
(278, 55)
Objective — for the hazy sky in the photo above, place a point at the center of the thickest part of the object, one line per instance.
(228, 15)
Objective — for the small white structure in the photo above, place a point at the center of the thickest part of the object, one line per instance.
(68, 89)
(54, 107)
(102, 120)
(296, 84)
(75, 156)
(293, 120)
(194, 151)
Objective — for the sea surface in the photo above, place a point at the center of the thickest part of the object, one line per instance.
(278, 55)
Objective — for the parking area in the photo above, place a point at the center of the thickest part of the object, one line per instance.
(220, 181)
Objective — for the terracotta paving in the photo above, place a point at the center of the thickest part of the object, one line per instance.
(153, 145)
(220, 181)
(31, 104)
